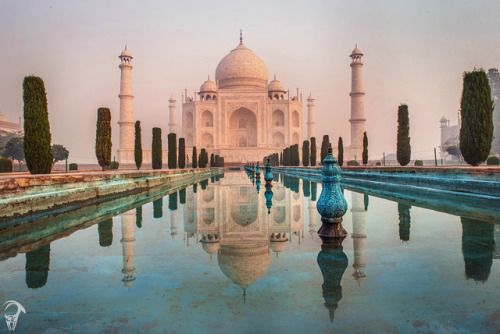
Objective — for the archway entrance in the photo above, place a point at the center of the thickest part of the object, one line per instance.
(243, 128)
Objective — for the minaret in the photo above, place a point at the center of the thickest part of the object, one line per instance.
(357, 106)
(172, 123)
(126, 122)
(358, 235)
(128, 240)
(310, 117)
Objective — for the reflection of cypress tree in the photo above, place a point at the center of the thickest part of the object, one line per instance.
(217, 178)
(158, 208)
(195, 187)
(366, 200)
(172, 201)
(478, 246)
(204, 184)
(295, 184)
(37, 267)
(314, 190)
(333, 262)
(404, 221)
(138, 216)
(306, 187)
(212, 179)
(105, 230)
(182, 196)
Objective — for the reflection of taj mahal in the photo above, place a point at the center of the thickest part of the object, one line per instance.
(240, 116)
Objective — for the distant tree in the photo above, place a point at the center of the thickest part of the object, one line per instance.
(14, 149)
(59, 153)
(297, 155)
(182, 153)
(403, 146)
(340, 157)
(286, 157)
(212, 160)
(4, 139)
(365, 149)
(313, 151)
(37, 135)
(156, 149)
(172, 150)
(281, 159)
(305, 153)
(103, 137)
(138, 145)
(324, 147)
(195, 158)
(201, 161)
(476, 132)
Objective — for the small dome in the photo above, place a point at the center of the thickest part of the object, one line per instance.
(172, 98)
(208, 86)
(276, 86)
(356, 51)
(243, 68)
(443, 119)
(310, 97)
(125, 53)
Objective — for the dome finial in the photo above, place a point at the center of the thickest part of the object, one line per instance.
(241, 36)
(125, 46)
(209, 77)
(275, 76)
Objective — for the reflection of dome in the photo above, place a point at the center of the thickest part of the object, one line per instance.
(278, 242)
(276, 86)
(241, 67)
(210, 247)
(208, 86)
(244, 264)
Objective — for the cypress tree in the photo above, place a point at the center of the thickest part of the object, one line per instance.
(217, 161)
(365, 149)
(313, 151)
(156, 150)
(202, 162)
(281, 159)
(305, 153)
(103, 137)
(138, 145)
(476, 109)
(37, 148)
(182, 153)
(212, 160)
(403, 145)
(286, 157)
(172, 150)
(296, 156)
(341, 152)
(324, 147)
(195, 158)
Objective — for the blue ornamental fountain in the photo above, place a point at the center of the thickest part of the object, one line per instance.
(331, 204)
(257, 172)
(268, 176)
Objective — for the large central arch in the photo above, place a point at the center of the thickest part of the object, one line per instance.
(243, 128)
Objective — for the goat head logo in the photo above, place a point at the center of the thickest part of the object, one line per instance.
(11, 317)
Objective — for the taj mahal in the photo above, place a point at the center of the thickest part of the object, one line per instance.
(241, 115)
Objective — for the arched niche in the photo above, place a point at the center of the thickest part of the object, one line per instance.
(278, 118)
(189, 120)
(243, 128)
(207, 119)
(296, 212)
(295, 119)
(279, 214)
(189, 140)
(278, 139)
(207, 140)
(295, 138)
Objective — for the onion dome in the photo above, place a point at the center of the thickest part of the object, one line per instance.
(125, 53)
(172, 99)
(276, 86)
(356, 52)
(208, 87)
(241, 68)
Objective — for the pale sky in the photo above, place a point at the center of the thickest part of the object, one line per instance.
(415, 53)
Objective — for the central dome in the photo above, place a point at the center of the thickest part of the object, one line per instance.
(241, 68)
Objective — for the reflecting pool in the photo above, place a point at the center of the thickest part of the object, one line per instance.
(221, 257)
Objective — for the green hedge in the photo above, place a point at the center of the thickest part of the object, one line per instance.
(73, 166)
(6, 165)
(352, 163)
(113, 165)
(419, 163)
(493, 161)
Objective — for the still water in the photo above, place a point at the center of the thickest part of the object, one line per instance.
(216, 257)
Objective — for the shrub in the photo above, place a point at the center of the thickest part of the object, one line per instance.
(419, 163)
(378, 163)
(492, 161)
(138, 145)
(172, 150)
(403, 144)
(156, 149)
(113, 165)
(37, 150)
(476, 132)
(103, 137)
(352, 163)
(6, 165)
(73, 166)
(182, 153)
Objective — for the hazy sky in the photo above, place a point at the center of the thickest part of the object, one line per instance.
(415, 52)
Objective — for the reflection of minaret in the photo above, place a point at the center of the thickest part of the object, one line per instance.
(312, 217)
(173, 224)
(358, 235)
(128, 239)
